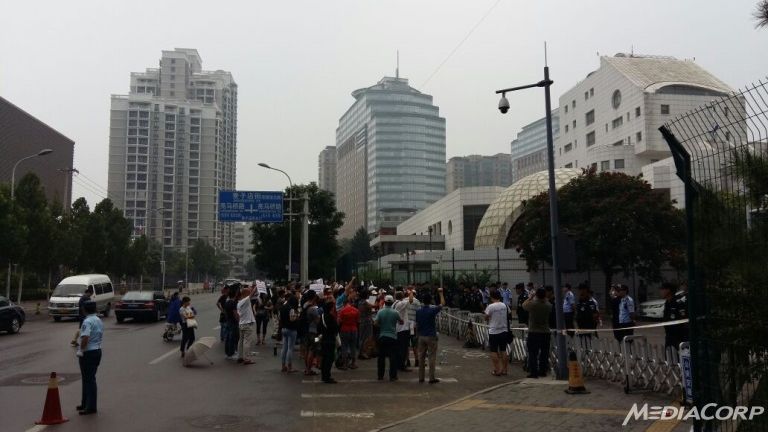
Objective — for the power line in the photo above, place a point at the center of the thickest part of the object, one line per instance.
(488, 12)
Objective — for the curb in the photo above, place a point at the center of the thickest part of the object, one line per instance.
(438, 408)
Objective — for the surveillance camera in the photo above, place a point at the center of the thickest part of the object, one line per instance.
(503, 104)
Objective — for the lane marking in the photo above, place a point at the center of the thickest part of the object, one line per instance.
(363, 395)
(480, 403)
(36, 428)
(165, 356)
(357, 381)
(664, 425)
(217, 327)
(337, 414)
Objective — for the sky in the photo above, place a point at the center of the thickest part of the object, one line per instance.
(296, 62)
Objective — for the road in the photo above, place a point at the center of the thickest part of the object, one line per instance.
(142, 385)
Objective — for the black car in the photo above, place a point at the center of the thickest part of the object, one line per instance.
(142, 304)
(12, 316)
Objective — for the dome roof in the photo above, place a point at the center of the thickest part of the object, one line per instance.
(505, 210)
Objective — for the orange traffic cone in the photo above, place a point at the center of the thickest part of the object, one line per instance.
(575, 378)
(52, 410)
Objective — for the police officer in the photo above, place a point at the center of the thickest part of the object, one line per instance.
(522, 296)
(89, 357)
(569, 301)
(587, 314)
(674, 309)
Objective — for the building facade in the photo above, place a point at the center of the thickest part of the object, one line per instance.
(242, 247)
(172, 147)
(529, 149)
(454, 218)
(326, 169)
(23, 135)
(610, 120)
(477, 170)
(390, 156)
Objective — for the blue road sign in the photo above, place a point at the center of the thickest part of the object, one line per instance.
(254, 206)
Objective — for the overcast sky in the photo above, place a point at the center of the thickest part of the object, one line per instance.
(296, 62)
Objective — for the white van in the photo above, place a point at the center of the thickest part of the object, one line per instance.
(64, 300)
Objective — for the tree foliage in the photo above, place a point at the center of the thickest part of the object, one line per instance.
(360, 246)
(270, 246)
(618, 222)
(761, 14)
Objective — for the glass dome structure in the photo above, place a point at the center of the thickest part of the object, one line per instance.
(504, 211)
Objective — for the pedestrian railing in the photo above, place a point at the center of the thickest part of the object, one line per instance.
(637, 364)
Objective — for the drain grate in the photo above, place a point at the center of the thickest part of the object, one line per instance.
(37, 379)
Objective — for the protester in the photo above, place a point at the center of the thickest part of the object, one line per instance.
(89, 357)
(233, 323)
(569, 301)
(246, 324)
(625, 307)
(497, 315)
(173, 316)
(329, 331)
(403, 330)
(522, 296)
(310, 348)
(262, 311)
(550, 294)
(538, 308)
(222, 315)
(289, 317)
(349, 320)
(674, 309)
(426, 330)
(86, 297)
(188, 325)
(587, 315)
(413, 305)
(386, 320)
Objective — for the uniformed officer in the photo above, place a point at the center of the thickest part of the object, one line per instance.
(674, 309)
(587, 315)
(569, 301)
(522, 296)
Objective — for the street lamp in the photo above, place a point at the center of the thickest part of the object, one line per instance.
(290, 215)
(42, 152)
(561, 370)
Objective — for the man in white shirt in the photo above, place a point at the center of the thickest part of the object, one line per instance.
(498, 333)
(247, 321)
(403, 330)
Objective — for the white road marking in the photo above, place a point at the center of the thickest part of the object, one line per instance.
(337, 414)
(165, 356)
(217, 327)
(36, 428)
(363, 395)
(357, 381)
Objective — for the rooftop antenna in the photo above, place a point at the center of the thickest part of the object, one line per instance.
(397, 68)
(545, 54)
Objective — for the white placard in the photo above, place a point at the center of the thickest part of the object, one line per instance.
(261, 286)
(318, 288)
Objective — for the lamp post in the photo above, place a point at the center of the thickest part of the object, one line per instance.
(67, 178)
(290, 215)
(42, 152)
(561, 371)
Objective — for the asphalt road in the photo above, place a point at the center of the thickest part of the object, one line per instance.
(143, 386)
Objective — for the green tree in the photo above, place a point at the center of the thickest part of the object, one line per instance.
(618, 222)
(13, 232)
(106, 240)
(360, 247)
(761, 14)
(36, 216)
(271, 240)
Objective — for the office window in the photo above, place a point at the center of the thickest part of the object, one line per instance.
(618, 143)
(573, 103)
(637, 112)
(638, 136)
(594, 166)
(665, 109)
(617, 122)
(566, 130)
(591, 139)
(586, 95)
(605, 165)
(591, 92)
(566, 111)
(618, 164)
(568, 165)
(589, 117)
(568, 147)
(574, 124)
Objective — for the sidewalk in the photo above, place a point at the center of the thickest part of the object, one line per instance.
(542, 405)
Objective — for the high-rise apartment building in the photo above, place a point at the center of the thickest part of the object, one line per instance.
(529, 149)
(610, 120)
(390, 156)
(326, 169)
(172, 147)
(477, 170)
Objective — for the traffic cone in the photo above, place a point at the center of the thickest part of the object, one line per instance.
(575, 378)
(52, 410)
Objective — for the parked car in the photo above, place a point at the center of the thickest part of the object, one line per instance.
(653, 309)
(12, 316)
(65, 297)
(142, 305)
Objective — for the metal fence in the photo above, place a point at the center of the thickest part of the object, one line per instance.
(638, 365)
(720, 154)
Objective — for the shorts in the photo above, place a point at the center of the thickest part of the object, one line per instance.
(414, 341)
(498, 342)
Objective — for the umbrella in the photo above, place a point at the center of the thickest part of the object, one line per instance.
(198, 350)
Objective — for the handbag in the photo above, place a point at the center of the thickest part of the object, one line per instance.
(191, 323)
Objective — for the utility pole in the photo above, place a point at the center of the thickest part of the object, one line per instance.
(305, 240)
(67, 180)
